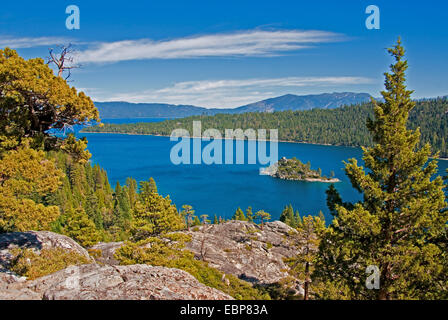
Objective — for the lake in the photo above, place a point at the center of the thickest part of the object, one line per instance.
(221, 189)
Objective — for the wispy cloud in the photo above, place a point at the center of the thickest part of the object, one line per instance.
(28, 42)
(245, 43)
(234, 93)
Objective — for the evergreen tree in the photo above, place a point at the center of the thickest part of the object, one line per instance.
(297, 218)
(93, 212)
(249, 214)
(333, 199)
(154, 215)
(398, 225)
(307, 239)
(262, 216)
(77, 225)
(239, 215)
(196, 221)
(76, 148)
(132, 191)
(147, 188)
(188, 213)
(122, 207)
(33, 100)
(27, 178)
(289, 217)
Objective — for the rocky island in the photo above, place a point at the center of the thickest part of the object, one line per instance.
(294, 169)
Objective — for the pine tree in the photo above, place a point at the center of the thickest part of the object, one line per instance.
(262, 216)
(287, 216)
(27, 178)
(93, 212)
(333, 199)
(196, 221)
(249, 214)
(76, 148)
(77, 225)
(152, 185)
(398, 225)
(122, 208)
(307, 240)
(154, 215)
(239, 215)
(33, 100)
(147, 188)
(188, 213)
(132, 191)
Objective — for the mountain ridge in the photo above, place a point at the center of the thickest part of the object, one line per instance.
(122, 109)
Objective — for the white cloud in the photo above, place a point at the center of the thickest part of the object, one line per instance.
(235, 93)
(247, 43)
(27, 42)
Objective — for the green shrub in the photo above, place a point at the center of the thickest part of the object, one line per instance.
(28, 263)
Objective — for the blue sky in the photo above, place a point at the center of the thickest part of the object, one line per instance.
(229, 53)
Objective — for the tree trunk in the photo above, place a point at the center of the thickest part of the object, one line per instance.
(307, 277)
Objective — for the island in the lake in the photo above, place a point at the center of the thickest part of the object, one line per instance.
(294, 169)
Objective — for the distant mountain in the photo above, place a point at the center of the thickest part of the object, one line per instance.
(118, 109)
(293, 102)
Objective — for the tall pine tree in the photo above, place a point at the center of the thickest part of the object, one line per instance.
(398, 225)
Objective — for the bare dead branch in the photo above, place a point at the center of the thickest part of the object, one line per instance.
(63, 60)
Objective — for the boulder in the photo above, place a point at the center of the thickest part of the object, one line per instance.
(102, 282)
(104, 252)
(36, 240)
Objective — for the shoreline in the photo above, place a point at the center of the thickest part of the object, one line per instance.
(224, 138)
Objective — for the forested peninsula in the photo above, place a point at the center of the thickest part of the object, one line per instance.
(344, 126)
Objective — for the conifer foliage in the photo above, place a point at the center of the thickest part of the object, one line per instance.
(33, 100)
(399, 224)
(27, 178)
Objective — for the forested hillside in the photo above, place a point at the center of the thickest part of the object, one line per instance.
(342, 126)
(120, 109)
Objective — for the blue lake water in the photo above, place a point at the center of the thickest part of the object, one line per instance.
(220, 189)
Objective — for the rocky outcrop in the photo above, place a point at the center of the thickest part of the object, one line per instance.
(244, 249)
(240, 248)
(102, 282)
(104, 252)
(36, 240)
(8, 277)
